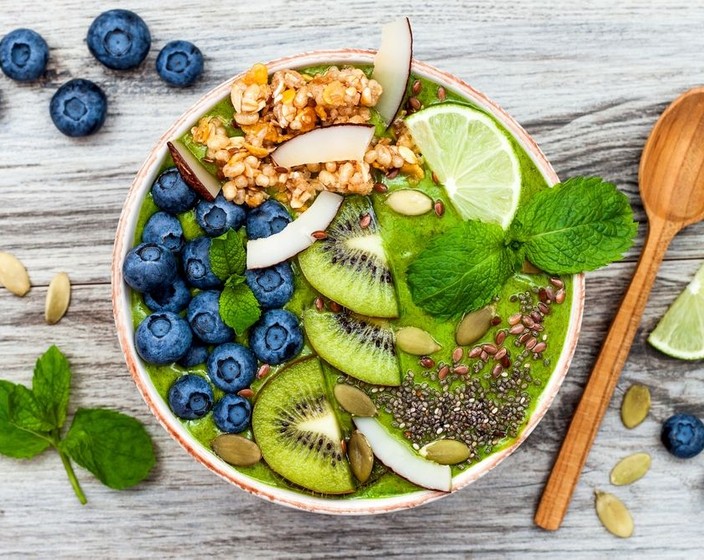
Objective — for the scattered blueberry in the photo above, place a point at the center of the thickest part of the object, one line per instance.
(173, 297)
(179, 63)
(78, 108)
(272, 286)
(164, 229)
(218, 216)
(196, 264)
(149, 266)
(191, 397)
(232, 414)
(171, 193)
(23, 55)
(119, 39)
(683, 435)
(204, 317)
(163, 338)
(267, 219)
(232, 367)
(276, 337)
(197, 354)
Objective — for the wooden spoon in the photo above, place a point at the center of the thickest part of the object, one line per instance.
(671, 177)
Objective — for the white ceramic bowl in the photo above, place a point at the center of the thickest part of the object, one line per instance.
(123, 315)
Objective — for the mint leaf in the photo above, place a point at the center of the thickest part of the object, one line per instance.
(26, 412)
(239, 308)
(227, 255)
(51, 386)
(113, 446)
(579, 225)
(15, 441)
(462, 269)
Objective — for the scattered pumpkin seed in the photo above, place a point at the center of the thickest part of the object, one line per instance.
(13, 274)
(474, 325)
(58, 297)
(446, 451)
(613, 514)
(409, 202)
(236, 450)
(629, 469)
(635, 405)
(416, 341)
(353, 400)
(361, 456)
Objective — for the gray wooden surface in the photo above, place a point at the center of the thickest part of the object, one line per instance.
(587, 79)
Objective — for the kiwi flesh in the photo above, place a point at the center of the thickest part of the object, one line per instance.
(297, 430)
(359, 347)
(350, 265)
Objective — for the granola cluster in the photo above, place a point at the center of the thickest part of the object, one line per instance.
(270, 112)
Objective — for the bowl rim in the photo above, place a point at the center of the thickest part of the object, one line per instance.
(123, 314)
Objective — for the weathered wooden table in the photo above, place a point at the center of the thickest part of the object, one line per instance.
(588, 79)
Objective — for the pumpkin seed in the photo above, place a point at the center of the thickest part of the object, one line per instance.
(58, 297)
(236, 450)
(353, 400)
(613, 515)
(474, 325)
(13, 274)
(631, 468)
(416, 341)
(635, 405)
(361, 456)
(409, 202)
(446, 451)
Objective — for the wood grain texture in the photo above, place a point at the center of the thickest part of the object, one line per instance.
(588, 79)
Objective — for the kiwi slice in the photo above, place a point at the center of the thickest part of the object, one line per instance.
(350, 266)
(362, 348)
(297, 431)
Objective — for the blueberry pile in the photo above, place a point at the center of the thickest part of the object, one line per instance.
(118, 39)
(178, 285)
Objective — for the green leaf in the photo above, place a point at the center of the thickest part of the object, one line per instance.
(113, 446)
(462, 269)
(51, 386)
(227, 255)
(579, 225)
(26, 412)
(239, 308)
(15, 441)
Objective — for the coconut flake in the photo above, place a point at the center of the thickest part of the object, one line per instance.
(192, 171)
(340, 142)
(392, 67)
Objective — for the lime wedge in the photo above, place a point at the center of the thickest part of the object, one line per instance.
(472, 158)
(680, 333)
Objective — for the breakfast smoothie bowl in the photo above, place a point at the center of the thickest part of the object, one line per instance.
(284, 295)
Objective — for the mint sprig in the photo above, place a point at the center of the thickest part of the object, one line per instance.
(227, 255)
(114, 447)
(579, 225)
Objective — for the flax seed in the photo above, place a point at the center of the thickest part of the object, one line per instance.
(544, 309)
(334, 306)
(475, 352)
(442, 94)
(560, 296)
(557, 283)
(392, 174)
(543, 295)
(498, 368)
(500, 337)
(365, 220)
(443, 371)
(434, 177)
(461, 369)
(414, 102)
(489, 349)
(515, 319)
(495, 320)
(246, 393)
(380, 187)
(319, 303)
(439, 208)
(516, 329)
(531, 342)
(536, 316)
(417, 86)
(427, 362)
(281, 169)
(457, 354)
(524, 337)
(506, 361)
(263, 371)
(500, 353)
(319, 234)
(540, 347)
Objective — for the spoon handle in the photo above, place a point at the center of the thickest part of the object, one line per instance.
(600, 387)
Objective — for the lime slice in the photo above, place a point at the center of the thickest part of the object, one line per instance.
(680, 333)
(472, 158)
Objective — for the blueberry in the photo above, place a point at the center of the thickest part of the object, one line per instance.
(190, 397)
(232, 367)
(683, 435)
(197, 354)
(195, 259)
(276, 337)
(173, 297)
(163, 338)
(267, 219)
(171, 193)
(164, 229)
(204, 317)
(23, 55)
(232, 414)
(78, 108)
(119, 39)
(179, 63)
(149, 266)
(218, 216)
(272, 286)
